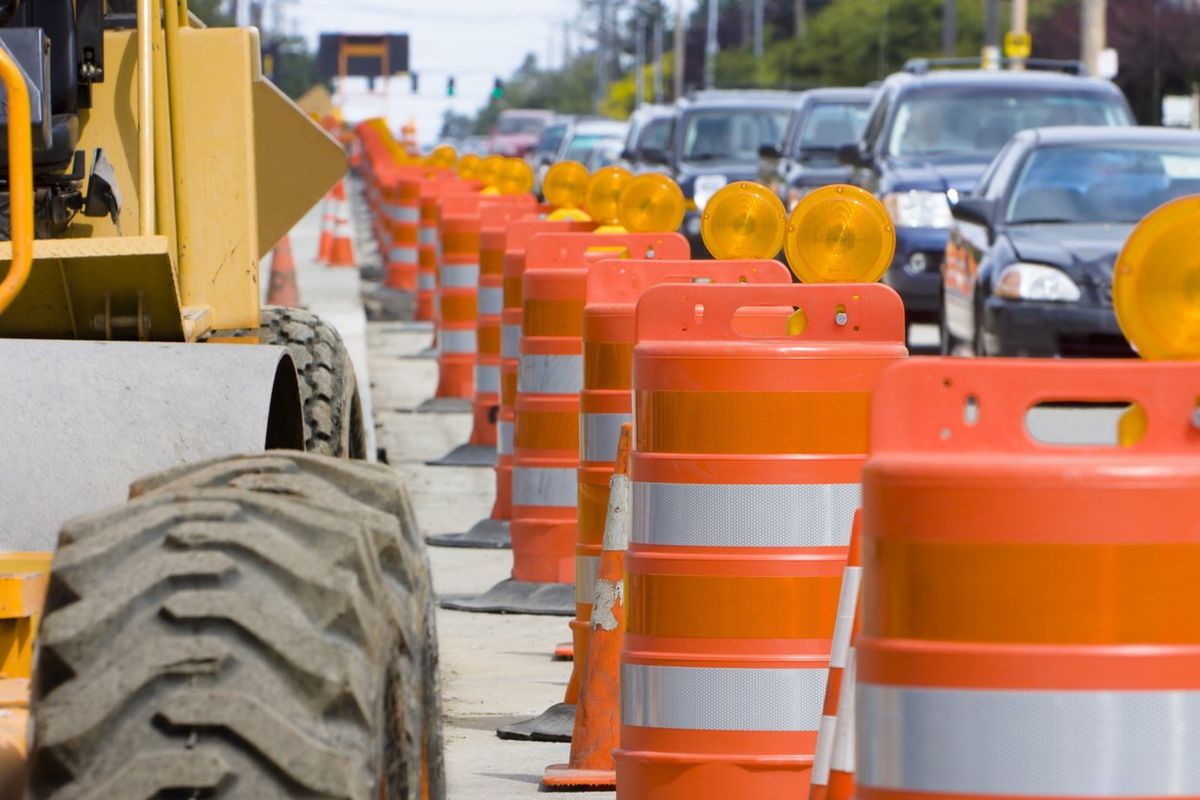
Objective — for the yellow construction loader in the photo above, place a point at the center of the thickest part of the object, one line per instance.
(256, 625)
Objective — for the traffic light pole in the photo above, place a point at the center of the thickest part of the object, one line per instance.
(1092, 34)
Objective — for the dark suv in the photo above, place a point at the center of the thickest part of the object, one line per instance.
(929, 136)
(715, 141)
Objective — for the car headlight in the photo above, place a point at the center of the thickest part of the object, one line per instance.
(1022, 281)
(918, 209)
(706, 186)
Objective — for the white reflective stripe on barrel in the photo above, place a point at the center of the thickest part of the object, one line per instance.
(554, 487)
(599, 435)
(721, 699)
(821, 759)
(1047, 743)
(487, 378)
(504, 438)
(451, 340)
(550, 374)
(460, 275)
(491, 300)
(843, 756)
(744, 515)
(427, 234)
(844, 626)
(586, 570)
(510, 341)
(426, 281)
(410, 214)
(404, 255)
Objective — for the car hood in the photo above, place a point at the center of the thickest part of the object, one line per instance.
(1083, 250)
(819, 174)
(935, 176)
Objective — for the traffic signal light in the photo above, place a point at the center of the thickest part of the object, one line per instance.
(450, 86)
(497, 89)
(415, 79)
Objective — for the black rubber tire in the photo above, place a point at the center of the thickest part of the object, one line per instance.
(333, 420)
(256, 627)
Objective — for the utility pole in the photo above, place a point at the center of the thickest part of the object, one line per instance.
(758, 28)
(949, 27)
(991, 35)
(680, 62)
(710, 47)
(1092, 34)
(800, 19)
(1020, 25)
(659, 93)
(602, 55)
(639, 63)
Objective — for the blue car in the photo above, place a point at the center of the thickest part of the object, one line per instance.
(930, 135)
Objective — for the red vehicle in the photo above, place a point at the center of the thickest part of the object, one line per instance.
(517, 131)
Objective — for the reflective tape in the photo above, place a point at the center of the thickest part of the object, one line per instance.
(1029, 743)
(510, 341)
(744, 515)
(504, 438)
(404, 255)
(460, 275)
(844, 627)
(426, 281)
(821, 759)
(427, 235)
(491, 300)
(456, 341)
(586, 570)
(487, 379)
(550, 374)
(721, 699)
(409, 214)
(554, 487)
(600, 434)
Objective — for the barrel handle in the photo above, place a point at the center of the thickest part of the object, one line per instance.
(625, 280)
(569, 249)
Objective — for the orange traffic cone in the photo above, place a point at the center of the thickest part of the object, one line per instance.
(282, 291)
(836, 718)
(328, 221)
(342, 251)
(597, 715)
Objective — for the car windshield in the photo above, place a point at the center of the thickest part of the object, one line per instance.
(732, 134)
(829, 126)
(519, 125)
(976, 122)
(581, 145)
(552, 138)
(1105, 183)
(656, 135)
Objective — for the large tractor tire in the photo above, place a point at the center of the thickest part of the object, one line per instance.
(258, 627)
(333, 419)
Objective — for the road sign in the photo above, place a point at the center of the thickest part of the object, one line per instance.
(1018, 44)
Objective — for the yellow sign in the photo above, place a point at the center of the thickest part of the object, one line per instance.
(1018, 44)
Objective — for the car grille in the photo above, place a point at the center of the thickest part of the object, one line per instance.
(1094, 345)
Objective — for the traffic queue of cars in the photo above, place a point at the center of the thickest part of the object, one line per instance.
(1011, 191)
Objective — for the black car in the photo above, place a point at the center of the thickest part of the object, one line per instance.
(825, 120)
(1029, 262)
(932, 133)
(715, 141)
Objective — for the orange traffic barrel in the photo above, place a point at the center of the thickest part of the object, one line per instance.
(546, 415)
(606, 400)
(1028, 611)
(493, 531)
(750, 433)
(428, 247)
(402, 208)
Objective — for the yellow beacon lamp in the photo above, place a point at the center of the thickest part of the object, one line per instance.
(743, 220)
(468, 167)
(515, 177)
(565, 188)
(602, 201)
(1156, 283)
(839, 234)
(651, 203)
(443, 157)
(489, 173)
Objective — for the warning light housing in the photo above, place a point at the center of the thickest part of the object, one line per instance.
(839, 234)
(743, 220)
(468, 166)
(651, 203)
(515, 177)
(565, 184)
(603, 198)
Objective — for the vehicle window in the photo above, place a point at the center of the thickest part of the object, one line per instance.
(877, 117)
(732, 134)
(656, 135)
(582, 145)
(830, 125)
(976, 122)
(552, 138)
(519, 125)
(1108, 183)
(995, 179)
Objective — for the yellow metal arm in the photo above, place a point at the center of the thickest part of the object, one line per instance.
(20, 180)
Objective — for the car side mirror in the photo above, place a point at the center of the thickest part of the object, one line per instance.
(854, 155)
(974, 210)
(770, 152)
(628, 155)
(653, 155)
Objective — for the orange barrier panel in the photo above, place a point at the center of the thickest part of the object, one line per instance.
(606, 402)
(1028, 625)
(748, 444)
